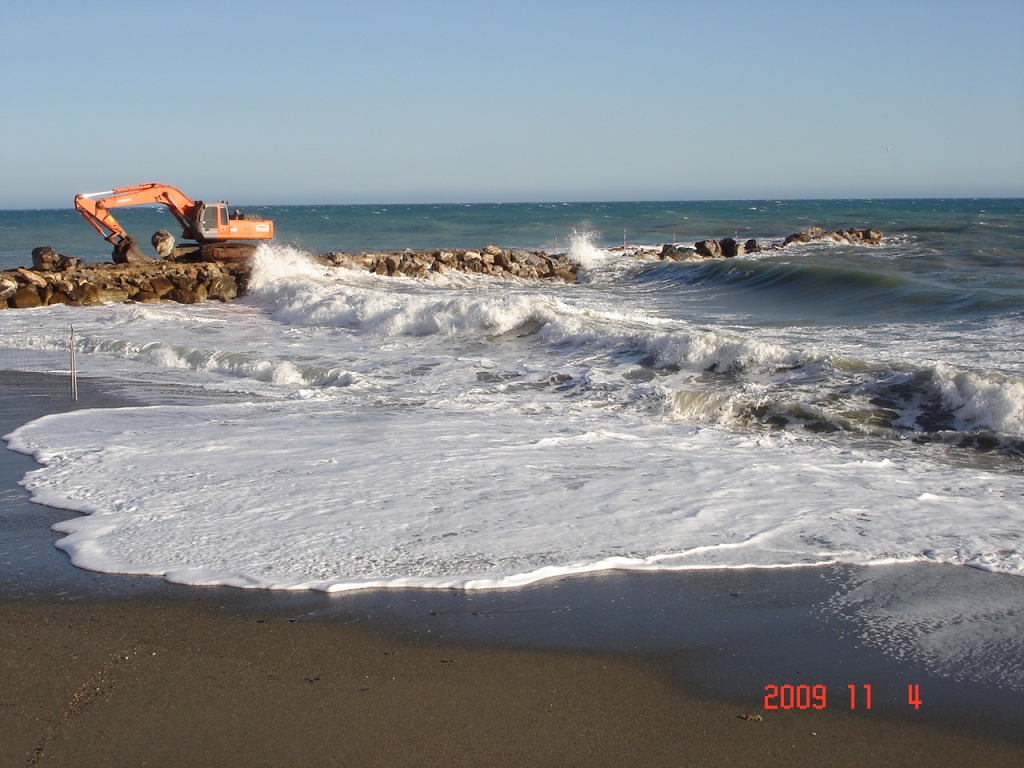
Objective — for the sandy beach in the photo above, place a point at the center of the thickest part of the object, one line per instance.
(182, 682)
(612, 669)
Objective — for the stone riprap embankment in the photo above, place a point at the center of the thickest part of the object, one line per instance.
(60, 279)
(729, 247)
(491, 260)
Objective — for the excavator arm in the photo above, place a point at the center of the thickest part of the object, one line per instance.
(204, 223)
(95, 207)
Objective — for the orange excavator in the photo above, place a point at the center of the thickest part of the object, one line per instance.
(210, 225)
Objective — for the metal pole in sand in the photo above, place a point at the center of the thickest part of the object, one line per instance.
(74, 370)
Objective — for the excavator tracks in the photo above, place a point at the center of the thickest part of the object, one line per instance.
(225, 253)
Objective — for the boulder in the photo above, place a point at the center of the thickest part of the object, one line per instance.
(871, 236)
(45, 259)
(185, 279)
(709, 249)
(730, 248)
(160, 285)
(63, 285)
(565, 274)
(752, 246)
(25, 297)
(57, 297)
(528, 259)
(223, 288)
(88, 293)
(163, 242)
(112, 294)
(184, 296)
(30, 277)
(528, 272)
(675, 252)
(7, 289)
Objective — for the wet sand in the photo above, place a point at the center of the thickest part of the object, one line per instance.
(612, 669)
(182, 682)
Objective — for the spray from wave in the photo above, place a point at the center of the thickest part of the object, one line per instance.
(583, 252)
(274, 263)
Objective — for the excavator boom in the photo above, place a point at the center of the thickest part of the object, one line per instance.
(205, 223)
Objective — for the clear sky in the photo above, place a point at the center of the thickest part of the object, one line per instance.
(300, 101)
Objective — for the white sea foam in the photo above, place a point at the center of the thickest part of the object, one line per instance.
(477, 432)
(583, 252)
(963, 628)
(303, 495)
(983, 401)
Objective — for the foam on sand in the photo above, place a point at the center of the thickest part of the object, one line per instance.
(322, 495)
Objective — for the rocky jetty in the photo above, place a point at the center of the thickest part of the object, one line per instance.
(491, 260)
(847, 236)
(728, 248)
(62, 279)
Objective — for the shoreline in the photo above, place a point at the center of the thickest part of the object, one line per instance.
(621, 667)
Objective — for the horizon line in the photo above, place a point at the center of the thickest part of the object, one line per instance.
(874, 198)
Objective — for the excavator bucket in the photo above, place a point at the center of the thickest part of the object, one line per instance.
(127, 252)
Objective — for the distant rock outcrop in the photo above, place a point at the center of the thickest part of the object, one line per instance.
(728, 247)
(491, 260)
(849, 236)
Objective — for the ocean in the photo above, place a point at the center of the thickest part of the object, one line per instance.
(816, 404)
(337, 430)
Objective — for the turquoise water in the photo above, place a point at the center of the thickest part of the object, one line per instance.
(821, 403)
(943, 259)
(930, 323)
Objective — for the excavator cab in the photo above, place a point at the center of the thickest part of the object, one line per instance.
(211, 221)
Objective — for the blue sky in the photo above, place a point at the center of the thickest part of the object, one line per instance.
(451, 101)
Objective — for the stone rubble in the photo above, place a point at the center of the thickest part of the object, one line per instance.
(91, 284)
(61, 279)
(491, 260)
(728, 247)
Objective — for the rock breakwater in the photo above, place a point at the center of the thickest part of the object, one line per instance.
(491, 260)
(728, 247)
(62, 279)
(80, 284)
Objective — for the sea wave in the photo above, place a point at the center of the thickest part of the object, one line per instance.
(841, 290)
(984, 411)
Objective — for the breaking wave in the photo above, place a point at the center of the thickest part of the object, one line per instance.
(848, 291)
